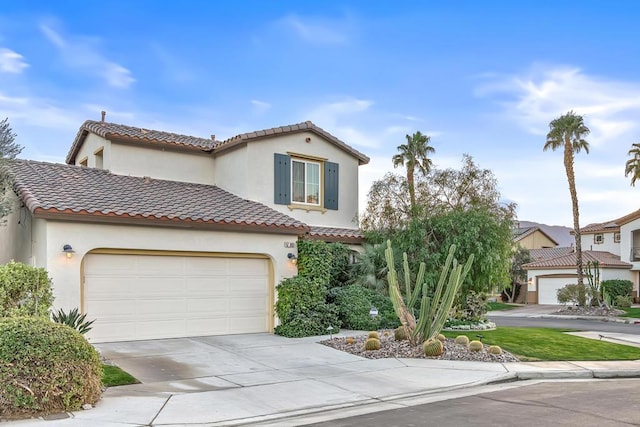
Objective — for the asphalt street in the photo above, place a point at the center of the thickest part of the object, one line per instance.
(577, 324)
(601, 403)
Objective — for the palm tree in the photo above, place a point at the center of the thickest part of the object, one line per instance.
(415, 154)
(633, 164)
(568, 131)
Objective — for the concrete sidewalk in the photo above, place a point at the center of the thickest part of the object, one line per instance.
(279, 379)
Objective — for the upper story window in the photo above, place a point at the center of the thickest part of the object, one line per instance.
(84, 162)
(305, 182)
(616, 237)
(598, 238)
(99, 158)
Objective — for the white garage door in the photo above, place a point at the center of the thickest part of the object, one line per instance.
(135, 297)
(548, 288)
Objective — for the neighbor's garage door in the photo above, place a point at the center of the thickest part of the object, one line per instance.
(548, 288)
(135, 297)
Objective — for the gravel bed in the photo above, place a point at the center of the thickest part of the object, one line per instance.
(390, 348)
(589, 311)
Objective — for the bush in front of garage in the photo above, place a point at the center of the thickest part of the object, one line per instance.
(24, 290)
(45, 368)
(615, 288)
(354, 305)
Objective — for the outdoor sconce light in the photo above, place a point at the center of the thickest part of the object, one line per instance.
(293, 258)
(68, 250)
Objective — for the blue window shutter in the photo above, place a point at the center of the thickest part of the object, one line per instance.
(331, 185)
(282, 179)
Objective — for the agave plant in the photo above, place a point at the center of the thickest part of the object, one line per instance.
(73, 319)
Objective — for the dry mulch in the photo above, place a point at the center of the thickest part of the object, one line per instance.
(589, 311)
(390, 348)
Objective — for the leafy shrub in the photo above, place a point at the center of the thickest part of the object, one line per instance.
(302, 309)
(623, 301)
(340, 265)
(45, 368)
(476, 306)
(574, 294)
(24, 290)
(354, 303)
(616, 287)
(315, 259)
(73, 319)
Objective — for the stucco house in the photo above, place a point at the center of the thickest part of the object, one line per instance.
(532, 238)
(160, 235)
(615, 245)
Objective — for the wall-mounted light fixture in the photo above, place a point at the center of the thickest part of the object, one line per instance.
(293, 258)
(68, 250)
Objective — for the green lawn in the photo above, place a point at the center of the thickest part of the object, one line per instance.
(631, 312)
(113, 376)
(499, 306)
(534, 344)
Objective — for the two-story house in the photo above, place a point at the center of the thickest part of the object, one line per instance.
(615, 245)
(160, 235)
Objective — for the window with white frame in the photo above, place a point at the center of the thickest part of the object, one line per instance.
(598, 238)
(616, 237)
(305, 182)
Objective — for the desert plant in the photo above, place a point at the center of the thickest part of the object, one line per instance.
(73, 319)
(45, 367)
(433, 347)
(24, 290)
(574, 294)
(494, 349)
(433, 310)
(593, 280)
(476, 305)
(441, 338)
(350, 340)
(373, 334)
(372, 344)
(623, 301)
(462, 340)
(400, 333)
(476, 345)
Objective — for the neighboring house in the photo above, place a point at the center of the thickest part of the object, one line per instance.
(532, 238)
(160, 235)
(615, 245)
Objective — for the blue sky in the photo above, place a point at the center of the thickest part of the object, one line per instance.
(483, 78)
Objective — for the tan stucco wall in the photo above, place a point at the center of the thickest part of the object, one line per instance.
(66, 273)
(257, 165)
(536, 240)
(160, 163)
(92, 143)
(588, 243)
(15, 235)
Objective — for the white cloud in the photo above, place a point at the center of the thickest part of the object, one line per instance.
(11, 62)
(83, 54)
(610, 106)
(317, 31)
(260, 106)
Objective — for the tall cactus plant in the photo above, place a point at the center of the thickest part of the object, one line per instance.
(433, 310)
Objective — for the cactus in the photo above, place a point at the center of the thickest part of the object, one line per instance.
(373, 334)
(476, 345)
(433, 311)
(400, 334)
(462, 340)
(433, 347)
(494, 349)
(372, 344)
(441, 338)
(350, 340)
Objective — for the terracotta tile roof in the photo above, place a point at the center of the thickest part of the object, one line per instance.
(546, 253)
(114, 130)
(56, 190)
(346, 235)
(300, 127)
(521, 233)
(610, 226)
(604, 259)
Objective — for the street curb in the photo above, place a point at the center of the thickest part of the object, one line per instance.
(628, 320)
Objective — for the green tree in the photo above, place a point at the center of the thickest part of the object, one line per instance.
(517, 274)
(633, 164)
(9, 149)
(568, 132)
(387, 208)
(415, 156)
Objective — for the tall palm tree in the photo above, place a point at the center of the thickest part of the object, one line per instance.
(568, 131)
(415, 154)
(633, 164)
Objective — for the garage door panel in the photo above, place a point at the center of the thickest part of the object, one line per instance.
(548, 288)
(146, 297)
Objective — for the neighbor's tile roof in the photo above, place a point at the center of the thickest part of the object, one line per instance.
(604, 259)
(610, 226)
(49, 190)
(300, 127)
(114, 130)
(336, 234)
(546, 253)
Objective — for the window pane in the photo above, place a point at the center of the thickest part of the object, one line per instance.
(313, 183)
(297, 181)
